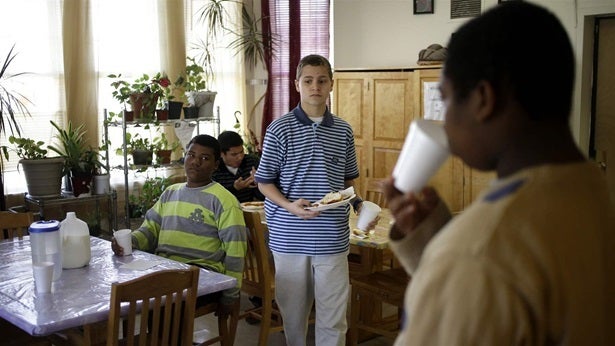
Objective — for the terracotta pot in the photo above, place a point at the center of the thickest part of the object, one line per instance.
(144, 105)
(163, 157)
(129, 116)
(162, 114)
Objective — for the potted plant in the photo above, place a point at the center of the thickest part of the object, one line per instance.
(195, 81)
(142, 94)
(12, 102)
(80, 160)
(163, 149)
(43, 174)
(121, 92)
(148, 195)
(140, 148)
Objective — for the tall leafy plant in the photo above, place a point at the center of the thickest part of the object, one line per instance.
(12, 103)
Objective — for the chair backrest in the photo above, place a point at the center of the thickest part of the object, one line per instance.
(374, 191)
(14, 224)
(157, 298)
(258, 269)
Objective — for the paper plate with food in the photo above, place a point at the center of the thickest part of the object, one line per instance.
(333, 199)
(253, 206)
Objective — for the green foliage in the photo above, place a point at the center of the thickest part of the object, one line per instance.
(11, 102)
(135, 142)
(194, 77)
(161, 142)
(148, 195)
(27, 148)
(79, 157)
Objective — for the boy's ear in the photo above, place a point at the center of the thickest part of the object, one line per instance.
(485, 101)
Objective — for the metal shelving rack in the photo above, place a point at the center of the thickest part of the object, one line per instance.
(215, 120)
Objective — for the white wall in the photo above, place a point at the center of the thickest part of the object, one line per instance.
(377, 34)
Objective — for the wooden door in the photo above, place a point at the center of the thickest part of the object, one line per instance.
(379, 107)
(604, 125)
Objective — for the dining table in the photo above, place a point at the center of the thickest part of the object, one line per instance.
(79, 296)
(370, 250)
(366, 252)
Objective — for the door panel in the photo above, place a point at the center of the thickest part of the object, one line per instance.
(604, 127)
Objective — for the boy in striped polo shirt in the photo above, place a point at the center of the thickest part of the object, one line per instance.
(306, 154)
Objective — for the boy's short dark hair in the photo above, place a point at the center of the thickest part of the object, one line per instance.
(229, 139)
(313, 60)
(206, 141)
(503, 47)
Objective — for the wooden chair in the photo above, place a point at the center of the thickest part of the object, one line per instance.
(158, 296)
(258, 279)
(386, 286)
(14, 225)
(374, 191)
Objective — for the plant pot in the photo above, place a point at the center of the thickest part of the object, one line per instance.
(191, 112)
(163, 157)
(175, 109)
(43, 177)
(81, 183)
(204, 100)
(101, 184)
(142, 157)
(144, 105)
(129, 116)
(162, 114)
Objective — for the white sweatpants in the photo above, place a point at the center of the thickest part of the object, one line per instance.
(299, 281)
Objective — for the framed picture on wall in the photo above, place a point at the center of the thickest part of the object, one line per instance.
(423, 6)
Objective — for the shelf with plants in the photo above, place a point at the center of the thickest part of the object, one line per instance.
(147, 136)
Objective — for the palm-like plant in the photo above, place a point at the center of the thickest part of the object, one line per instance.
(80, 158)
(11, 101)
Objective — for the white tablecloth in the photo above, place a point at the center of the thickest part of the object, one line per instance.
(81, 296)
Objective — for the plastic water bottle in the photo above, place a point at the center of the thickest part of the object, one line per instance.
(46, 244)
(76, 251)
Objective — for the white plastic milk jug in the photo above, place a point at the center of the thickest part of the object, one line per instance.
(76, 251)
(46, 244)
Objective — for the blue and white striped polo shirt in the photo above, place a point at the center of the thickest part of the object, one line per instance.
(307, 160)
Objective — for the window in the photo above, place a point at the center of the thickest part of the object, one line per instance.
(36, 36)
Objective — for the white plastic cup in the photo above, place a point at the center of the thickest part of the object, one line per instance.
(43, 274)
(369, 211)
(424, 151)
(124, 239)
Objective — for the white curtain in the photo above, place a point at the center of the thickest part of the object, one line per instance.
(34, 27)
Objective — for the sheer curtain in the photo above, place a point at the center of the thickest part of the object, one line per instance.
(128, 37)
(36, 35)
(230, 81)
(303, 26)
